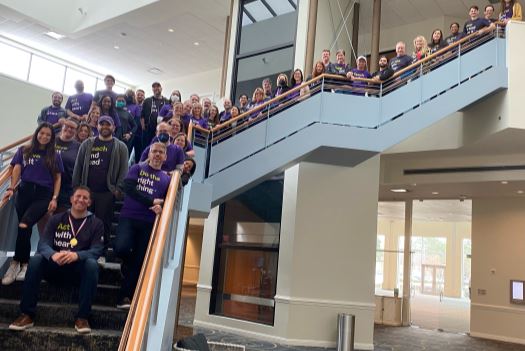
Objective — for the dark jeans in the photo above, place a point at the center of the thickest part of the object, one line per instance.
(138, 145)
(131, 244)
(32, 201)
(83, 273)
(102, 207)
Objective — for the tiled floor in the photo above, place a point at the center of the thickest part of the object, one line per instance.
(385, 338)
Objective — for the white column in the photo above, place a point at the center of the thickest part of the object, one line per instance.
(407, 263)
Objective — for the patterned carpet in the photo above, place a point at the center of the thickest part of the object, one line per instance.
(385, 338)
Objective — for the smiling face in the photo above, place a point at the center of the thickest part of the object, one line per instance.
(56, 99)
(319, 67)
(105, 129)
(69, 129)
(400, 49)
(489, 12)
(157, 155)
(93, 116)
(227, 104)
(436, 36)
(297, 76)
(140, 96)
(234, 111)
(178, 109)
(80, 200)
(180, 141)
(361, 65)
(326, 56)
(340, 58)
(454, 28)
(243, 100)
(44, 136)
(473, 13)
(106, 103)
(83, 133)
(187, 166)
(383, 62)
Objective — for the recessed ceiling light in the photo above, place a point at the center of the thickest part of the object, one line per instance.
(55, 35)
(196, 43)
(520, 191)
(116, 47)
(155, 70)
(504, 182)
(171, 30)
(435, 193)
(399, 190)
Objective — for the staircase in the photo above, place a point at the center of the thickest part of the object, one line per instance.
(57, 305)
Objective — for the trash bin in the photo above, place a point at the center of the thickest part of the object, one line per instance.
(345, 332)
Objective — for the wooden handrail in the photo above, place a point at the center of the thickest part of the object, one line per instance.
(151, 268)
(15, 144)
(343, 78)
(5, 176)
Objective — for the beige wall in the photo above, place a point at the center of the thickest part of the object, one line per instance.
(193, 255)
(454, 232)
(498, 242)
(326, 257)
(21, 103)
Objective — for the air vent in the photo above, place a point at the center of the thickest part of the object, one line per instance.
(463, 170)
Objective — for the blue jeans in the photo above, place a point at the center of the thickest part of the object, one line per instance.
(131, 244)
(83, 273)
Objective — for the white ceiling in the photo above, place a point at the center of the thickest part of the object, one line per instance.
(147, 42)
(428, 210)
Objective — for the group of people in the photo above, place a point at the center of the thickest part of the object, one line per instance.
(67, 180)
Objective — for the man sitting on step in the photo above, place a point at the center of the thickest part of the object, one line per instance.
(67, 253)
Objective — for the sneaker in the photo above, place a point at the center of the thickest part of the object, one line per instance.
(101, 261)
(82, 326)
(21, 323)
(124, 304)
(21, 276)
(12, 272)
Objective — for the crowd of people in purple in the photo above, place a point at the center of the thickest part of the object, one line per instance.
(77, 165)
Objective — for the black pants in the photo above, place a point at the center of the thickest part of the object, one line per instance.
(83, 273)
(102, 205)
(131, 244)
(32, 201)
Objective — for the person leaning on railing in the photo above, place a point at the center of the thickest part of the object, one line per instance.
(455, 34)
(182, 141)
(145, 188)
(436, 41)
(475, 23)
(359, 72)
(397, 63)
(39, 167)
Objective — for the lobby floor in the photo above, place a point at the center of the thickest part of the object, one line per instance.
(447, 314)
(385, 338)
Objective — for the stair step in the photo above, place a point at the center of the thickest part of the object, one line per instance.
(106, 294)
(110, 274)
(63, 315)
(58, 339)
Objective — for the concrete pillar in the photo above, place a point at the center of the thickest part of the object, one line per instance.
(407, 262)
(376, 35)
(355, 33)
(310, 39)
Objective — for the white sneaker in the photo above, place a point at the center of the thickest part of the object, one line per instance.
(101, 261)
(21, 276)
(12, 272)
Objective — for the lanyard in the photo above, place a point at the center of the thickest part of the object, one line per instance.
(74, 241)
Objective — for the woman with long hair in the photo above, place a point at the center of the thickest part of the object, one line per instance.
(421, 49)
(39, 169)
(197, 117)
(182, 141)
(510, 10)
(107, 108)
(282, 85)
(83, 132)
(93, 116)
(436, 41)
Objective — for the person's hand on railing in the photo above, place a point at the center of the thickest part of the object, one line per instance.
(157, 206)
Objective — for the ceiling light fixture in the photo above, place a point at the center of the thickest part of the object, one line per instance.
(401, 190)
(54, 35)
(154, 70)
(171, 30)
(196, 43)
(504, 182)
(116, 47)
(520, 191)
(435, 193)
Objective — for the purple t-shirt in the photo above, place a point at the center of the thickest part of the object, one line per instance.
(99, 165)
(68, 151)
(34, 170)
(79, 104)
(508, 12)
(152, 183)
(165, 111)
(202, 122)
(52, 114)
(225, 116)
(174, 156)
(360, 74)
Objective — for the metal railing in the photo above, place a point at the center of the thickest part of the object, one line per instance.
(384, 99)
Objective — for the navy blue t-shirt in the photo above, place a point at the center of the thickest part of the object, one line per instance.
(453, 38)
(400, 62)
(99, 165)
(472, 26)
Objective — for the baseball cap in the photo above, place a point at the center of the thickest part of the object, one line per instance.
(155, 83)
(106, 119)
(361, 58)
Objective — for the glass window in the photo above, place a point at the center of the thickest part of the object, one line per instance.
(245, 274)
(258, 10)
(73, 75)
(46, 73)
(252, 70)
(119, 89)
(380, 261)
(281, 7)
(14, 62)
